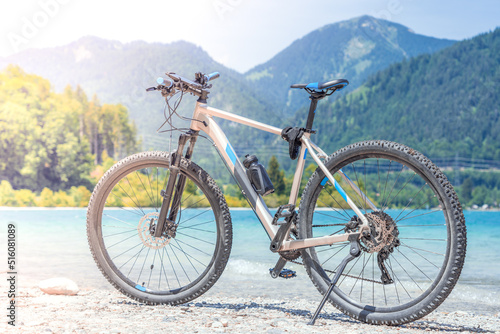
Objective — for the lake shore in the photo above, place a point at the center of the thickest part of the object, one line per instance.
(100, 311)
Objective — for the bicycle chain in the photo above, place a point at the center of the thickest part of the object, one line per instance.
(295, 254)
(333, 272)
(327, 225)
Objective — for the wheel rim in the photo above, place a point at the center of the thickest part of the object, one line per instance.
(418, 212)
(166, 265)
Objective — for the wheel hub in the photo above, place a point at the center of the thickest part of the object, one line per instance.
(146, 228)
(383, 235)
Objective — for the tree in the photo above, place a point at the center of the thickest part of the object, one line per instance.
(466, 190)
(276, 175)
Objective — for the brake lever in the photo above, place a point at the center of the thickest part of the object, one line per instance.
(150, 89)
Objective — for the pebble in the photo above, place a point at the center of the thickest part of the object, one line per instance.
(59, 286)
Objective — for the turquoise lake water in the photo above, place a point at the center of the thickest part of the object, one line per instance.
(53, 243)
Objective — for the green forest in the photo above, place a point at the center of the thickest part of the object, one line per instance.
(54, 147)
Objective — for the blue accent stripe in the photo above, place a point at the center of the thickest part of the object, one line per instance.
(346, 175)
(140, 287)
(341, 191)
(230, 153)
(305, 154)
(312, 85)
(325, 180)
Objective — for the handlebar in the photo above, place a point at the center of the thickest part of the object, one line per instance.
(163, 82)
(198, 87)
(212, 76)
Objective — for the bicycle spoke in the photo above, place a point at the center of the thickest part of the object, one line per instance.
(189, 255)
(360, 274)
(324, 214)
(112, 235)
(423, 257)
(393, 185)
(121, 227)
(340, 206)
(133, 256)
(152, 267)
(414, 264)
(136, 258)
(171, 264)
(119, 242)
(180, 264)
(423, 250)
(199, 250)
(121, 221)
(145, 189)
(402, 285)
(334, 210)
(190, 236)
(407, 274)
(117, 256)
(385, 186)
(190, 226)
(387, 205)
(334, 254)
(139, 208)
(411, 200)
(133, 191)
(197, 229)
(430, 239)
(352, 188)
(184, 222)
(143, 264)
(162, 269)
(423, 214)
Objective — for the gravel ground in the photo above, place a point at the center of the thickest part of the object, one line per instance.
(98, 311)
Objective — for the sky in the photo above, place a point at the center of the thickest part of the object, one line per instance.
(237, 33)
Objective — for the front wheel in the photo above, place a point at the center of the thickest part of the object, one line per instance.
(413, 255)
(121, 217)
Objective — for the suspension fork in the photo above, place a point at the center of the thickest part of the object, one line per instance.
(176, 182)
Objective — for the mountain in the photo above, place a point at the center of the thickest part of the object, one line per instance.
(120, 73)
(442, 104)
(351, 50)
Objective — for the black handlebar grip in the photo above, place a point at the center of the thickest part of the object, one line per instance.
(212, 76)
(165, 82)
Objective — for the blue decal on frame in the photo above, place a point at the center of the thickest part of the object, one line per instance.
(230, 153)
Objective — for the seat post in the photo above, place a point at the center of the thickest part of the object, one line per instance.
(312, 111)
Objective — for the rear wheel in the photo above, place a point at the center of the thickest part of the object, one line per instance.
(415, 252)
(123, 212)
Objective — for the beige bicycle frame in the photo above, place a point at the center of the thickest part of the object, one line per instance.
(203, 121)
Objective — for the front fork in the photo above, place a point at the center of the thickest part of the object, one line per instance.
(176, 181)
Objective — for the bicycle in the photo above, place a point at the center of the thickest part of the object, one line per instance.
(159, 227)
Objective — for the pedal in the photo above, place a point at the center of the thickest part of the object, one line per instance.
(287, 273)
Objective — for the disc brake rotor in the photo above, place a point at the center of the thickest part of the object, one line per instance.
(144, 228)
